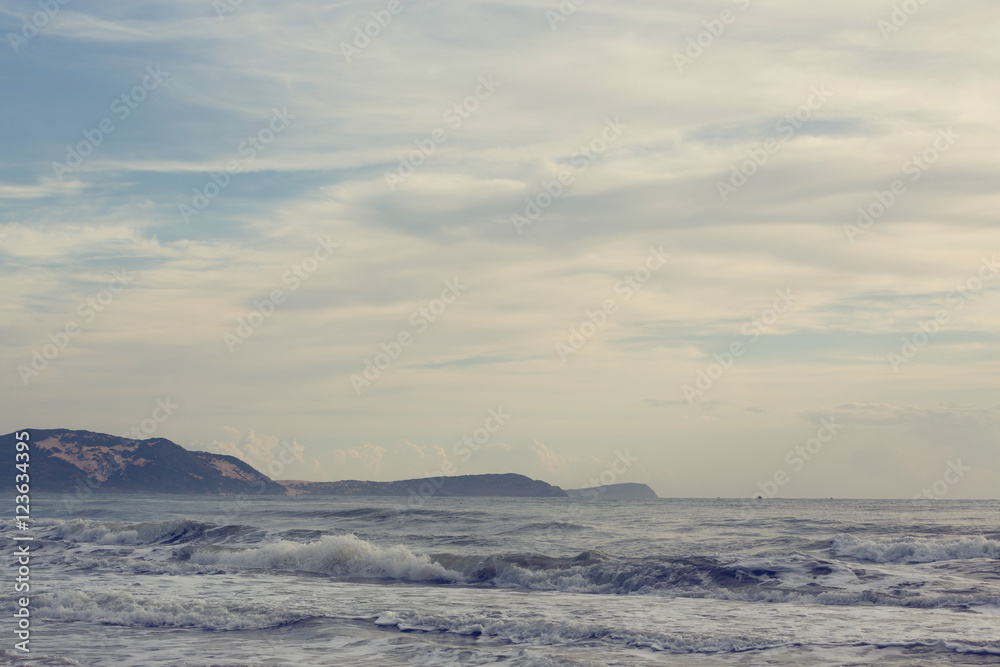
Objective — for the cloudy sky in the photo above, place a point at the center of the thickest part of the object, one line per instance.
(629, 229)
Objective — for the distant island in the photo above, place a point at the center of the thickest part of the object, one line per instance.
(626, 491)
(507, 485)
(64, 460)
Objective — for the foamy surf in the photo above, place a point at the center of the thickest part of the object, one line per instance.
(116, 607)
(844, 577)
(174, 531)
(915, 549)
(339, 555)
(525, 582)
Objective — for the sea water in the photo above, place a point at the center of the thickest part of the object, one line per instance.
(314, 580)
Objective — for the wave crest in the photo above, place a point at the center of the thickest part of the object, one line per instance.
(337, 555)
(117, 607)
(915, 549)
(158, 532)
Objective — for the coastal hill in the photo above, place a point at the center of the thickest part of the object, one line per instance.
(626, 491)
(507, 485)
(62, 460)
(84, 462)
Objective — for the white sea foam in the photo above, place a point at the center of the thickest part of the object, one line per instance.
(337, 555)
(795, 596)
(541, 631)
(126, 534)
(117, 607)
(915, 549)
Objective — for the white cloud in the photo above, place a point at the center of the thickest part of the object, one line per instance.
(495, 346)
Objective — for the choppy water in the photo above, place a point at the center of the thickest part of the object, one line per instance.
(168, 580)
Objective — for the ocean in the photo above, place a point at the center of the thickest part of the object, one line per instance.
(313, 580)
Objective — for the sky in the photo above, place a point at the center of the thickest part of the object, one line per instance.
(728, 248)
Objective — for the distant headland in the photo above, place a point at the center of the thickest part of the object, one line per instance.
(84, 462)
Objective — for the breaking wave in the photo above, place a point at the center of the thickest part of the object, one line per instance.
(123, 608)
(338, 555)
(915, 549)
(175, 531)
